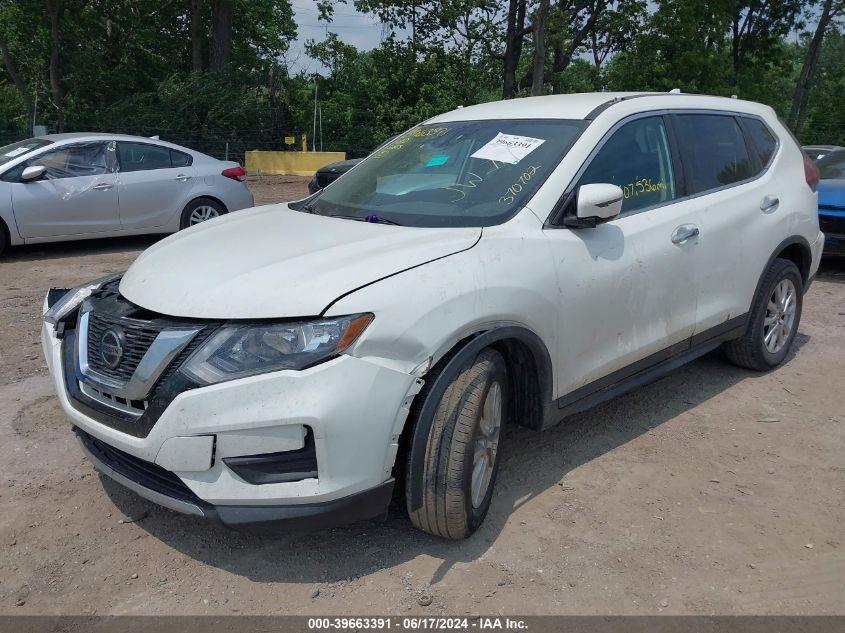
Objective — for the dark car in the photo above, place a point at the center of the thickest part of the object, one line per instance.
(819, 151)
(832, 201)
(330, 173)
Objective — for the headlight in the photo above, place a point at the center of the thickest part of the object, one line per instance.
(70, 301)
(236, 351)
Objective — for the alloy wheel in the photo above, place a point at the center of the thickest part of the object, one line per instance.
(201, 214)
(486, 444)
(780, 316)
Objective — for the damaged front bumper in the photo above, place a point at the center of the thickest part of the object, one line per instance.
(212, 451)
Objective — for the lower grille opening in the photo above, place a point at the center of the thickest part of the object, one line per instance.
(276, 468)
(142, 472)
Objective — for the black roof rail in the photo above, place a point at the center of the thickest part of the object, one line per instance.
(592, 114)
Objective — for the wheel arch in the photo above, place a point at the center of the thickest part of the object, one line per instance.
(795, 249)
(205, 196)
(530, 370)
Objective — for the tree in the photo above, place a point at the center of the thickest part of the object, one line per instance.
(54, 14)
(757, 29)
(831, 9)
(196, 34)
(539, 34)
(220, 37)
(615, 28)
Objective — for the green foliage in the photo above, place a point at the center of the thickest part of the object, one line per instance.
(127, 66)
(826, 120)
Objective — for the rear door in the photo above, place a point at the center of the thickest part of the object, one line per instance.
(155, 184)
(726, 159)
(76, 196)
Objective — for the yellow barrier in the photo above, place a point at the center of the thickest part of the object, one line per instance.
(290, 163)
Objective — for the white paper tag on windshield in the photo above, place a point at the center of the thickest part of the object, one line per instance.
(508, 148)
(15, 152)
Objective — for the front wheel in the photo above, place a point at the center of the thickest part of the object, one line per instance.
(200, 210)
(773, 322)
(462, 450)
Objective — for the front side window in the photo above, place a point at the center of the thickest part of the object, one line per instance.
(832, 166)
(714, 151)
(142, 156)
(70, 161)
(761, 138)
(464, 173)
(637, 159)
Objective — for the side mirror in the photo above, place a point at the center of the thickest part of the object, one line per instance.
(33, 172)
(598, 202)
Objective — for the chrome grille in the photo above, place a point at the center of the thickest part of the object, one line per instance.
(139, 337)
(132, 407)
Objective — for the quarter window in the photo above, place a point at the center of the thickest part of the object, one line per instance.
(637, 159)
(762, 140)
(714, 151)
(142, 156)
(179, 159)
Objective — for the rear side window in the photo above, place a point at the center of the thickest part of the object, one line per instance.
(762, 139)
(714, 151)
(637, 159)
(179, 159)
(142, 156)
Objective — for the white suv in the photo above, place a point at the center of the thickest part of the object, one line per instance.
(506, 263)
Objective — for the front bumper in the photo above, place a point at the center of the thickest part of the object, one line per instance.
(354, 410)
(158, 486)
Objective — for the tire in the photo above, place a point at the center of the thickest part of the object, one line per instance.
(200, 206)
(754, 349)
(451, 507)
(4, 237)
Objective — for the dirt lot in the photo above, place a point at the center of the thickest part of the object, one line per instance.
(712, 491)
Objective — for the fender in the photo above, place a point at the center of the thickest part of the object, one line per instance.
(457, 361)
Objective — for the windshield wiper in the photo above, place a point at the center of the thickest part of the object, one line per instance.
(371, 219)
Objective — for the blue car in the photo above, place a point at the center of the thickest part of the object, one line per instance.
(832, 201)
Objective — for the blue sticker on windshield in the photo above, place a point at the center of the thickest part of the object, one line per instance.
(437, 161)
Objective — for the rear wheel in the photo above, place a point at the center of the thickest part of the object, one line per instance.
(774, 319)
(462, 450)
(200, 210)
(4, 238)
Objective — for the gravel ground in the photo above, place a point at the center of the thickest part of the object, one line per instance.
(713, 491)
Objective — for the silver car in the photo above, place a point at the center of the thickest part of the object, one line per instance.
(75, 186)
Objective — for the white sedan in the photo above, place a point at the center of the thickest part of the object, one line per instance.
(76, 186)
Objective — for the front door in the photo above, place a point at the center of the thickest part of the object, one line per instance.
(628, 287)
(76, 196)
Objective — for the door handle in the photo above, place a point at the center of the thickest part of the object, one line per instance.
(182, 177)
(684, 233)
(103, 186)
(769, 203)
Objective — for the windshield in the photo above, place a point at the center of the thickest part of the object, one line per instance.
(11, 152)
(466, 173)
(832, 166)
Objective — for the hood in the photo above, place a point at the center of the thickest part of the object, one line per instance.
(273, 262)
(832, 193)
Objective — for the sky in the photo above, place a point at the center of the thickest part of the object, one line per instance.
(361, 30)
